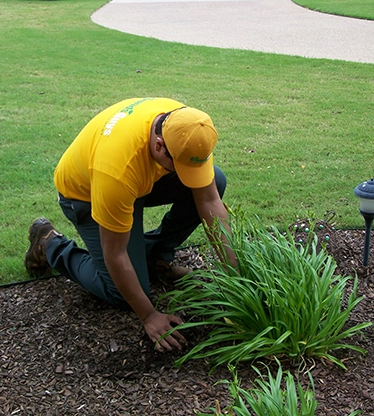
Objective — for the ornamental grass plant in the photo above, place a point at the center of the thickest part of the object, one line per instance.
(282, 299)
(281, 395)
(270, 396)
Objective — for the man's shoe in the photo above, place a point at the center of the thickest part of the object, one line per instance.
(41, 233)
(166, 271)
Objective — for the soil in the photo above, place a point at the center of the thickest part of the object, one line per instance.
(64, 352)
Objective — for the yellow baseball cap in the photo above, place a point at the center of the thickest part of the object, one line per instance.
(190, 138)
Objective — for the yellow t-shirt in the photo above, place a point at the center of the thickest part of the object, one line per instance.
(109, 163)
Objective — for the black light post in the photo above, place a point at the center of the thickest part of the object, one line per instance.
(365, 194)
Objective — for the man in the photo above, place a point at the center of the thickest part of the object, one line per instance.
(138, 153)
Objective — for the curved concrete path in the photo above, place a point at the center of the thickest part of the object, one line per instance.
(275, 26)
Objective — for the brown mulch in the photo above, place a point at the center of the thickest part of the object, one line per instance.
(63, 352)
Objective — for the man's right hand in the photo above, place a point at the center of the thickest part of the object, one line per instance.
(157, 324)
(124, 277)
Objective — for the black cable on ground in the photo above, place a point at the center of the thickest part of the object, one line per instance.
(22, 282)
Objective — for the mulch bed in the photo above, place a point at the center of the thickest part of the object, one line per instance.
(64, 352)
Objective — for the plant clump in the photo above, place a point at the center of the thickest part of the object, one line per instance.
(270, 396)
(283, 298)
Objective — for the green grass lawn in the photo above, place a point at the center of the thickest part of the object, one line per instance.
(363, 9)
(295, 134)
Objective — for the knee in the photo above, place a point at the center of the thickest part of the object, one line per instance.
(220, 179)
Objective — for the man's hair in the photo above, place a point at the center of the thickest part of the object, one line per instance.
(158, 131)
(158, 128)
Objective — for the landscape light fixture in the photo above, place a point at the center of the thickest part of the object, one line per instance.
(365, 194)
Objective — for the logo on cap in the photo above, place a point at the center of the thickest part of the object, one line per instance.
(196, 159)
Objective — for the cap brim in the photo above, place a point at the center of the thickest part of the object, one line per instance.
(196, 176)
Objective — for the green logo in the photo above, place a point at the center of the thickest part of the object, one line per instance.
(130, 108)
(195, 159)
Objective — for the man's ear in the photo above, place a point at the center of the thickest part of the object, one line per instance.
(159, 143)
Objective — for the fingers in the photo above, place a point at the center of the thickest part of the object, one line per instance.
(180, 337)
(167, 344)
(157, 325)
(175, 319)
(177, 334)
(171, 340)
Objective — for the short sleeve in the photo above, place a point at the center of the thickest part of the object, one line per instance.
(112, 202)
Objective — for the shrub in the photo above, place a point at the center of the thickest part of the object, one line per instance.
(283, 298)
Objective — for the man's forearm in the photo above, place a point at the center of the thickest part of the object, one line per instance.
(221, 244)
(218, 239)
(124, 277)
